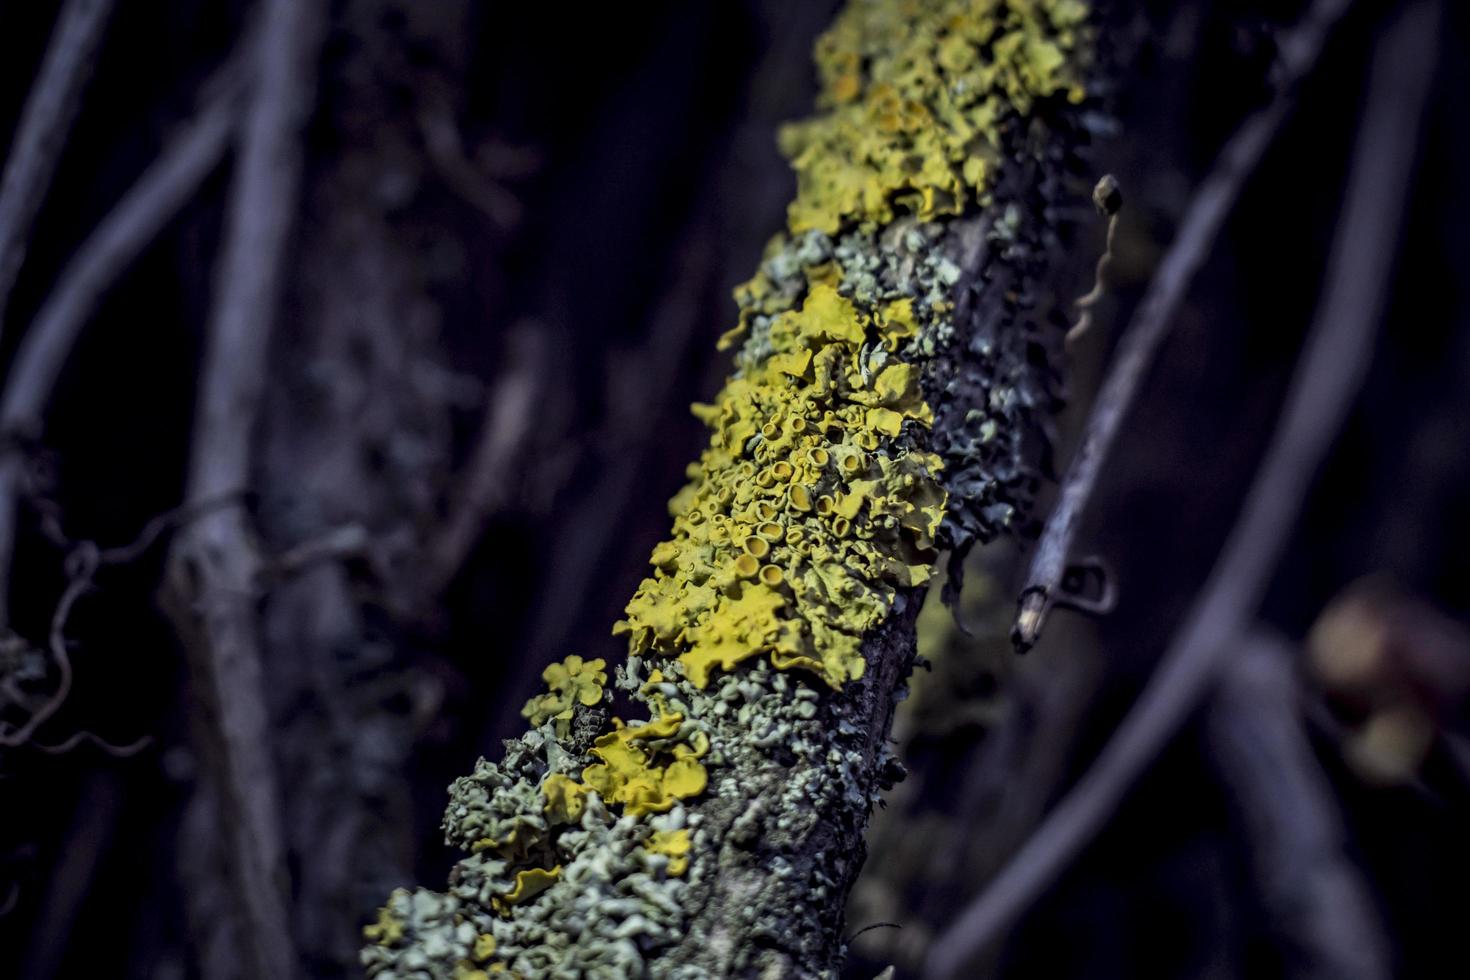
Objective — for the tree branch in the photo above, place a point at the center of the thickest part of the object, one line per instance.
(1150, 325)
(506, 424)
(213, 565)
(1315, 900)
(159, 194)
(45, 123)
(1332, 365)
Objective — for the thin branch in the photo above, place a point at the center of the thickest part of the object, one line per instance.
(159, 194)
(510, 415)
(1150, 325)
(469, 180)
(1108, 198)
(45, 123)
(1331, 368)
(57, 643)
(213, 564)
(83, 560)
(1314, 899)
(72, 742)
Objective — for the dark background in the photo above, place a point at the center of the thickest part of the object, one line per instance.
(636, 143)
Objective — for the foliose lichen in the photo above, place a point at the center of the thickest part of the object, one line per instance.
(843, 454)
(917, 93)
(572, 682)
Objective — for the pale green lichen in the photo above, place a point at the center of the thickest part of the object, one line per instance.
(808, 525)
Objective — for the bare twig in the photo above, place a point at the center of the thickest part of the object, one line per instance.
(72, 742)
(470, 180)
(44, 125)
(1108, 198)
(94, 824)
(213, 565)
(83, 560)
(57, 643)
(146, 208)
(1315, 900)
(346, 541)
(508, 420)
(1150, 325)
(1332, 365)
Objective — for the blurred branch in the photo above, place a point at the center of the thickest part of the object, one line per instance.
(1201, 224)
(510, 411)
(214, 562)
(83, 560)
(1314, 899)
(1332, 365)
(45, 123)
(144, 210)
(475, 183)
(59, 656)
(94, 825)
(582, 543)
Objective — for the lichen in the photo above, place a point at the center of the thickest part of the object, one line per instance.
(572, 682)
(648, 768)
(866, 425)
(810, 505)
(916, 93)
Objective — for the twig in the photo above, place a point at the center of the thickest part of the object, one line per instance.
(45, 123)
(346, 541)
(213, 565)
(93, 829)
(1108, 198)
(1150, 325)
(125, 751)
(83, 560)
(147, 207)
(508, 420)
(57, 643)
(1315, 900)
(470, 181)
(1331, 367)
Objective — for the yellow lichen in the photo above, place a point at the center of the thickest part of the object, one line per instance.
(530, 882)
(565, 798)
(572, 682)
(815, 500)
(915, 94)
(387, 931)
(645, 768)
(806, 512)
(513, 846)
(673, 844)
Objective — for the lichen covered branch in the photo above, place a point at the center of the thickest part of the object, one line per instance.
(888, 401)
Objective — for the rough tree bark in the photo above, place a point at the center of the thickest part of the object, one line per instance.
(889, 401)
